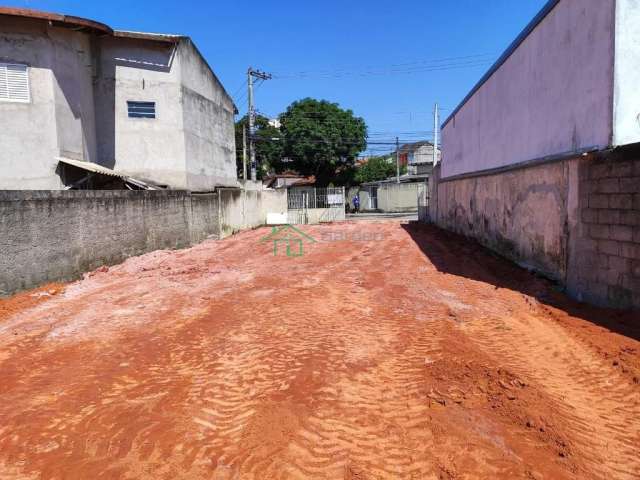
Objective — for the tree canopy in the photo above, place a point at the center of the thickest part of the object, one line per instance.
(322, 139)
(269, 146)
(376, 168)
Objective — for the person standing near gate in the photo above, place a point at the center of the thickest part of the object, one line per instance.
(356, 203)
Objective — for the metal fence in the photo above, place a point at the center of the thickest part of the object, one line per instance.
(316, 205)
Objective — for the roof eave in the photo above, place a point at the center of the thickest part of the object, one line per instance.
(157, 37)
(63, 20)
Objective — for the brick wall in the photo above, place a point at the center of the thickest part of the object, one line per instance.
(607, 260)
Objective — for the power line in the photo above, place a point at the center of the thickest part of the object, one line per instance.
(342, 141)
(392, 71)
(466, 59)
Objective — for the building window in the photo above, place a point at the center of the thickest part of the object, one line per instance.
(141, 109)
(14, 83)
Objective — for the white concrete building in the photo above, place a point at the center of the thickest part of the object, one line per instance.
(418, 157)
(77, 97)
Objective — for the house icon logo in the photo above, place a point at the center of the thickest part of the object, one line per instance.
(289, 237)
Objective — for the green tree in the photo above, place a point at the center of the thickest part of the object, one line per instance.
(269, 146)
(376, 168)
(322, 139)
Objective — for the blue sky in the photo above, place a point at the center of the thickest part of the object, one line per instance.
(387, 61)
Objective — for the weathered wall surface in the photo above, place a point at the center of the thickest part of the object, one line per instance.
(80, 84)
(52, 236)
(399, 198)
(208, 113)
(392, 197)
(521, 213)
(59, 119)
(576, 221)
(553, 95)
(57, 235)
(72, 67)
(241, 209)
(432, 207)
(146, 148)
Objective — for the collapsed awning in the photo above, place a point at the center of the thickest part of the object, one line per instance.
(102, 170)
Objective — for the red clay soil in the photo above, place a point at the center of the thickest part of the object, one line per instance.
(386, 351)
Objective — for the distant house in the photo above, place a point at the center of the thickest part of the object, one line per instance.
(82, 105)
(288, 180)
(418, 157)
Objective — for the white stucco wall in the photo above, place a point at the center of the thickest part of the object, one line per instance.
(626, 106)
(553, 95)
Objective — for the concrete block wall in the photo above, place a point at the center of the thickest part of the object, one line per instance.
(605, 266)
(57, 235)
(575, 220)
(48, 236)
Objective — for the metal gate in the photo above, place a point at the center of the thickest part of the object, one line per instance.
(315, 205)
(423, 202)
(373, 197)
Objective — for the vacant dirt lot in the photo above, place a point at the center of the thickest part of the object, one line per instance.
(386, 351)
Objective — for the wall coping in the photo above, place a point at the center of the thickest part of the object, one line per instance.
(22, 195)
(526, 164)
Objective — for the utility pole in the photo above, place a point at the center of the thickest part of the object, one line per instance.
(435, 135)
(252, 117)
(244, 152)
(397, 160)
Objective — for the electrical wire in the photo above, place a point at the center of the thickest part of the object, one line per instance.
(484, 57)
(391, 70)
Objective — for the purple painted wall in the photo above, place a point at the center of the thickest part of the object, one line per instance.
(553, 95)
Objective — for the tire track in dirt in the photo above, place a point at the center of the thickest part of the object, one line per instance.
(599, 406)
(383, 355)
(246, 386)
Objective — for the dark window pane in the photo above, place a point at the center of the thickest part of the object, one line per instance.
(141, 109)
